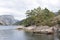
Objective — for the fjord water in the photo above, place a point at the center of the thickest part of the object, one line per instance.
(9, 33)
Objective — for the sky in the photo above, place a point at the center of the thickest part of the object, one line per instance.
(18, 8)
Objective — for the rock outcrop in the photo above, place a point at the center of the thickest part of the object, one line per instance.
(41, 29)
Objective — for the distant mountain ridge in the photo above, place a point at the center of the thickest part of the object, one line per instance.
(7, 20)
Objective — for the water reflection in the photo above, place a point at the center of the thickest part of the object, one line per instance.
(21, 35)
(40, 37)
(57, 36)
(6, 34)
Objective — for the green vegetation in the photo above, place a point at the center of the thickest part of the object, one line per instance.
(39, 17)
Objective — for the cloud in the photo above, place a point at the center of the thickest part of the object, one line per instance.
(53, 5)
(17, 14)
(17, 8)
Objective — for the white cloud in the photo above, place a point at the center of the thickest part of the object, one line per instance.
(53, 5)
(17, 14)
(17, 8)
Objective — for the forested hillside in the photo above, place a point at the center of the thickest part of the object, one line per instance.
(38, 17)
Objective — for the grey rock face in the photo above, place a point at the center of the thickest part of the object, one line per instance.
(7, 19)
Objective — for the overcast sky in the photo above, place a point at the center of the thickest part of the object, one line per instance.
(17, 8)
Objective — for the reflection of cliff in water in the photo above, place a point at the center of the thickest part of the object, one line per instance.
(30, 36)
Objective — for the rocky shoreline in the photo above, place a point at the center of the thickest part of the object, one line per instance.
(39, 29)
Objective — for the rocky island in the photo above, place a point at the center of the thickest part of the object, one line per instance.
(44, 21)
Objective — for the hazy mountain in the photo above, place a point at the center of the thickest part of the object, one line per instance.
(7, 20)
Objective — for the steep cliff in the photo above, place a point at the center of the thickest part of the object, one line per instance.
(7, 20)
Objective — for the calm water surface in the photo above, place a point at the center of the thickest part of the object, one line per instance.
(8, 33)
